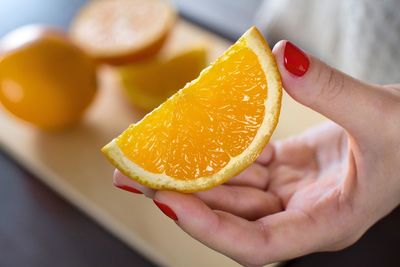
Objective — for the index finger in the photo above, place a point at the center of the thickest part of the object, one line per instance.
(276, 237)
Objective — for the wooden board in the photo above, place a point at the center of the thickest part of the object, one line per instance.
(71, 163)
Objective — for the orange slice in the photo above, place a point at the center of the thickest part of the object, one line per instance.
(121, 31)
(211, 129)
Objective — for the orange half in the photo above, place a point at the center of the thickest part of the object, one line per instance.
(122, 31)
(211, 129)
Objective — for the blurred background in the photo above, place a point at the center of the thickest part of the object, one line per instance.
(237, 15)
(70, 85)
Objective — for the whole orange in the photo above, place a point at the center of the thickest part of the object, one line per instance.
(44, 78)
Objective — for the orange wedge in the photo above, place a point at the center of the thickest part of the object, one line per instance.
(211, 129)
(121, 31)
(149, 83)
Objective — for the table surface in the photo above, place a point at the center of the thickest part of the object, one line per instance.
(39, 228)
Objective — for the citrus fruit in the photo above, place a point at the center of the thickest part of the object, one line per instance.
(121, 31)
(150, 82)
(44, 78)
(211, 129)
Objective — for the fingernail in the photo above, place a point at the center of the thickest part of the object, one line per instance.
(129, 189)
(166, 210)
(296, 61)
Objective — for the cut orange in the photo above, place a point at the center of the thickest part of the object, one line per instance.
(121, 31)
(211, 129)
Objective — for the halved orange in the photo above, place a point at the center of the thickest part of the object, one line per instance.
(121, 31)
(211, 129)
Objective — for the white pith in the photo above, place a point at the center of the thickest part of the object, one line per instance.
(235, 164)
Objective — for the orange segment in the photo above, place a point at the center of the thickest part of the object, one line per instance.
(149, 83)
(211, 129)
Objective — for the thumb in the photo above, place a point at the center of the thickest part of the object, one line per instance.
(328, 91)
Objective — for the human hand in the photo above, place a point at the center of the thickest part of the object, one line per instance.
(319, 191)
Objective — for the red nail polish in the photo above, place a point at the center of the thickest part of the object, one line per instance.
(129, 189)
(296, 61)
(166, 210)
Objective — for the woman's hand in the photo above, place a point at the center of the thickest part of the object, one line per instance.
(319, 191)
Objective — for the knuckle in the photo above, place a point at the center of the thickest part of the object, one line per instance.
(331, 82)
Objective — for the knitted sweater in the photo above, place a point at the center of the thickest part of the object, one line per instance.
(359, 37)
